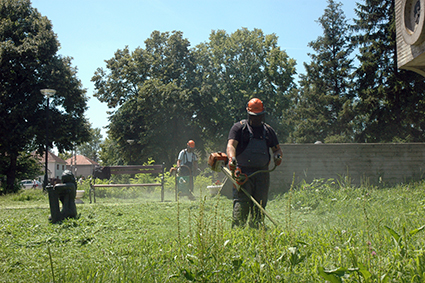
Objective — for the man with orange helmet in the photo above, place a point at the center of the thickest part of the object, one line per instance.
(187, 166)
(248, 148)
(188, 158)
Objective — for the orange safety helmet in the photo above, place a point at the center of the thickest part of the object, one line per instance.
(191, 144)
(255, 107)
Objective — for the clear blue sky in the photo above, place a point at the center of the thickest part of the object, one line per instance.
(91, 31)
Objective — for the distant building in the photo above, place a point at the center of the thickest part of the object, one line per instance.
(55, 165)
(81, 166)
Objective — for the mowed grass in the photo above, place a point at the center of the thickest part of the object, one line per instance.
(328, 232)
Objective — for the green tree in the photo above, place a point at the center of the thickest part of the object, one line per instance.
(65, 155)
(108, 153)
(391, 102)
(28, 63)
(91, 148)
(150, 90)
(232, 69)
(28, 167)
(168, 93)
(323, 104)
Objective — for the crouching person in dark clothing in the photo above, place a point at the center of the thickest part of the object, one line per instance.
(248, 144)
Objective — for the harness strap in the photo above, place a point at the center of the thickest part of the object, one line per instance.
(186, 159)
(251, 133)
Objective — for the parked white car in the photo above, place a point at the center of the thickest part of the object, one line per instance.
(29, 184)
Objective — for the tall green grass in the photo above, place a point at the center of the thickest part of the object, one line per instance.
(328, 232)
(154, 192)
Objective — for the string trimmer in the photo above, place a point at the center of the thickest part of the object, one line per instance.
(218, 161)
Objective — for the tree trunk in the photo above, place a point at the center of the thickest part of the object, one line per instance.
(11, 174)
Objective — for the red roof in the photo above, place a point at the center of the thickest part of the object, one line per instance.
(80, 160)
(51, 158)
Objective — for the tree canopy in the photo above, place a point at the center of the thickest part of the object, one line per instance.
(323, 105)
(235, 68)
(166, 93)
(91, 148)
(369, 101)
(391, 102)
(29, 63)
(150, 90)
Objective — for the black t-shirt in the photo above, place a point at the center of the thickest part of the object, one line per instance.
(240, 132)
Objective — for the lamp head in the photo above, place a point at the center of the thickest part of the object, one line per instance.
(48, 92)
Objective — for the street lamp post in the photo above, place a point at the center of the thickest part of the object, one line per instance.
(48, 93)
(130, 142)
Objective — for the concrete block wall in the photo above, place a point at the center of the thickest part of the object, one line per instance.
(372, 163)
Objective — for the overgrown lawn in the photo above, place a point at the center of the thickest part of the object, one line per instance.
(327, 232)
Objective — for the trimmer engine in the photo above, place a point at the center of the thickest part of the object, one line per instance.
(217, 160)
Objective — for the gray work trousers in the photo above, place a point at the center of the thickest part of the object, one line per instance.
(258, 187)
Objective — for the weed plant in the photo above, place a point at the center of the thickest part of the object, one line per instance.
(328, 231)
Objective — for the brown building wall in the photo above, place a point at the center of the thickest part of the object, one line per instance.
(372, 163)
(410, 35)
(82, 170)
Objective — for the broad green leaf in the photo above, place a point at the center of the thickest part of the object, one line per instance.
(329, 276)
(366, 274)
(188, 274)
(393, 233)
(415, 231)
(338, 271)
(385, 278)
(302, 243)
(191, 258)
(237, 263)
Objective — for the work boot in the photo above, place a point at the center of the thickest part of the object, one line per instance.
(257, 224)
(191, 196)
(257, 218)
(240, 213)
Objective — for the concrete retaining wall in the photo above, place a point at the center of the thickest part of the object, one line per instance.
(372, 163)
